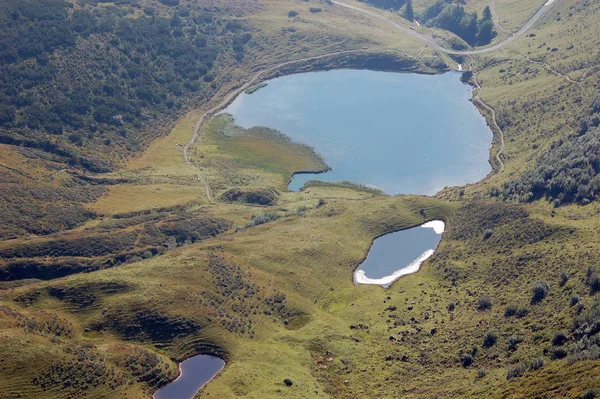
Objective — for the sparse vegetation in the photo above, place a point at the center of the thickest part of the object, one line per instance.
(466, 360)
(511, 310)
(484, 303)
(489, 339)
(540, 291)
(277, 300)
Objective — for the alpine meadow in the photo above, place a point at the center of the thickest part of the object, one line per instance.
(153, 244)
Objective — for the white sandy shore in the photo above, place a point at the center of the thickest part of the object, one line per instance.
(360, 276)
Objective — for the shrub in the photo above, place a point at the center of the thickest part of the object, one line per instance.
(288, 382)
(566, 173)
(257, 220)
(559, 353)
(466, 76)
(510, 310)
(516, 371)
(451, 306)
(484, 303)
(590, 270)
(540, 291)
(315, 9)
(564, 277)
(536, 364)
(590, 394)
(489, 339)
(559, 339)
(574, 300)
(594, 283)
(513, 341)
(292, 14)
(481, 373)
(466, 360)
(488, 233)
(522, 311)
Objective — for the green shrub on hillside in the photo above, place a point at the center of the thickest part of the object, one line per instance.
(92, 76)
(489, 339)
(568, 172)
(454, 18)
(510, 310)
(540, 291)
(484, 303)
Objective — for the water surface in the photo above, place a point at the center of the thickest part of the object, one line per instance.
(403, 133)
(195, 373)
(400, 253)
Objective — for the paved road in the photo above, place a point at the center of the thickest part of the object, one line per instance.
(540, 13)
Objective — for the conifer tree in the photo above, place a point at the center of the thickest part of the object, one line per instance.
(409, 13)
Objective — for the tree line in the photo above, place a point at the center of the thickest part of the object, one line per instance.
(445, 14)
(473, 30)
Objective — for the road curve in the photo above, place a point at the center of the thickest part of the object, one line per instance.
(540, 13)
(231, 96)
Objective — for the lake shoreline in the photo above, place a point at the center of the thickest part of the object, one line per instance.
(359, 276)
(321, 110)
(182, 375)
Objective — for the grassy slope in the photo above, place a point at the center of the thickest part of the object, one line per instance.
(317, 349)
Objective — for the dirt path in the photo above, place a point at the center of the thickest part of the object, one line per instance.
(491, 110)
(555, 72)
(230, 97)
(496, 19)
(540, 13)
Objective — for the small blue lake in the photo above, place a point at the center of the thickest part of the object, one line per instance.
(398, 254)
(403, 133)
(195, 373)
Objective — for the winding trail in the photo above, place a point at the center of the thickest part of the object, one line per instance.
(496, 18)
(491, 110)
(555, 72)
(540, 13)
(230, 97)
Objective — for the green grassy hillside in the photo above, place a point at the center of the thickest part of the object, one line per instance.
(116, 263)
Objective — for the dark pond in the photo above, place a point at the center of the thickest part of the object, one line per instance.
(195, 373)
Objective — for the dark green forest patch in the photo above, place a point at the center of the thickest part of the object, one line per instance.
(76, 81)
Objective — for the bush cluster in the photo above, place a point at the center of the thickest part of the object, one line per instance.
(90, 77)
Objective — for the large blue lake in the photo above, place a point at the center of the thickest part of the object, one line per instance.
(403, 133)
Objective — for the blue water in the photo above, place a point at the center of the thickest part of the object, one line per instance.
(195, 373)
(397, 250)
(403, 133)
